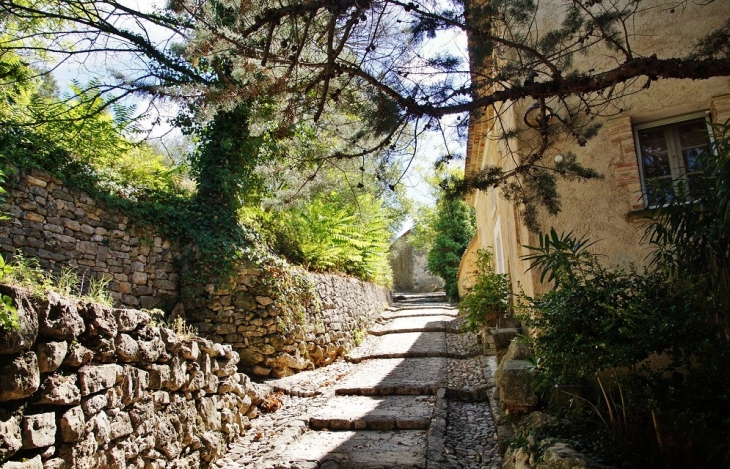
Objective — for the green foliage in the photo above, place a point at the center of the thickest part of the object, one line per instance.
(329, 234)
(639, 346)
(423, 232)
(455, 227)
(27, 273)
(490, 296)
(561, 257)
(692, 240)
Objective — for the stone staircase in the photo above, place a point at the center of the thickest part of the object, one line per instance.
(413, 396)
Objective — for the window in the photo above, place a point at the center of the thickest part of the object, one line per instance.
(668, 153)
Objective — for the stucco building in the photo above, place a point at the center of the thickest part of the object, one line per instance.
(655, 136)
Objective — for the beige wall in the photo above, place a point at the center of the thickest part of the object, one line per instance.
(610, 209)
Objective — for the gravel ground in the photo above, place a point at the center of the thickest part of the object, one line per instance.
(470, 441)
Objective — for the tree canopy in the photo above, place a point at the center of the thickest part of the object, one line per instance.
(371, 60)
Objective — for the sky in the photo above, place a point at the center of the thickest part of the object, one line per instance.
(430, 147)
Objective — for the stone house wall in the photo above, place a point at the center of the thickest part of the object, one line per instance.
(62, 226)
(85, 386)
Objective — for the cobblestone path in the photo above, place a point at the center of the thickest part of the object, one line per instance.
(412, 395)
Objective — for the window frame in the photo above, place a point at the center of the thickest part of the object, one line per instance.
(676, 162)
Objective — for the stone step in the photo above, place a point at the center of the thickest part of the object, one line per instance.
(410, 345)
(396, 376)
(414, 307)
(374, 413)
(436, 323)
(405, 449)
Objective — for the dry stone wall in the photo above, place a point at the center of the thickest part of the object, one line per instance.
(85, 386)
(274, 343)
(64, 227)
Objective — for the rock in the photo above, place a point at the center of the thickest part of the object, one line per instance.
(72, 424)
(126, 347)
(101, 427)
(51, 355)
(77, 356)
(94, 404)
(563, 456)
(95, 378)
(190, 350)
(120, 424)
(55, 463)
(33, 463)
(251, 357)
(514, 379)
(503, 337)
(134, 384)
(39, 430)
(10, 438)
(60, 390)
(20, 377)
(166, 438)
(260, 370)
(170, 339)
(264, 300)
(159, 376)
(209, 413)
(150, 350)
(100, 320)
(518, 351)
(18, 340)
(127, 319)
(81, 455)
(59, 318)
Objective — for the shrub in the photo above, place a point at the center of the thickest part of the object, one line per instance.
(489, 298)
(640, 342)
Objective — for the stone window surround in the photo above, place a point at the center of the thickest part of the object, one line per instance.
(625, 164)
(674, 157)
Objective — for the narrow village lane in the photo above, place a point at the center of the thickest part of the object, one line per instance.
(412, 395)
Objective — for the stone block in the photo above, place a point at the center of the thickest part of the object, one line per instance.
(190, 350)
(561, 456)
(72, 424)
(208, 409)
(120, 424)
(134, 384)
(264, 300)
(96, 378)
(77, 356)
(139, 278)
(127, 319)
(20, 377)
(51, 355)
(35, 462)
(126, 347)
(150, 350)
(60, 390)
(14, 341)
(160, 376)
(514, 379)
(100, 320)
(101, 428)
(10, 437)
(59, 318)
(39, 430)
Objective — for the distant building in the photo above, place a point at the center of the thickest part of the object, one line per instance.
(409, 268)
